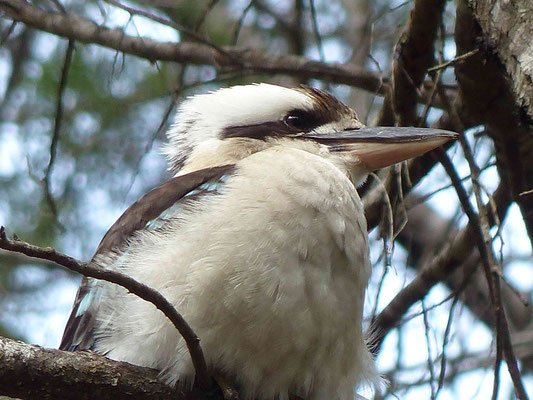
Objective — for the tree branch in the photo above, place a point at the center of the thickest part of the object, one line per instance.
(480, 230)
(495, 105)
(57, 128)
(31, 372)
(85, 31)
(164, 21)
(440, 267)
(137, 288)
(512, 42)
(413, 56)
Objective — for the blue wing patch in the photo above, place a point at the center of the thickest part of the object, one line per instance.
(207, 188)
(94, 294)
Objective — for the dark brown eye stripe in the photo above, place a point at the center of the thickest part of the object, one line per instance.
(257, 131)
(326, 109)
(307, 121)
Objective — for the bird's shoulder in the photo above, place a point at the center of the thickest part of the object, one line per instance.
(149, 212)
(152, 206)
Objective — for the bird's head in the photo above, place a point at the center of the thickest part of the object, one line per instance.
(227, 125)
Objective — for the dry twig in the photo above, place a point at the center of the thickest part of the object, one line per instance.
(480, 230)
(133, 286)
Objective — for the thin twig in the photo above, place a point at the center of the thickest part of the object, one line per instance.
(437, 270)
(316, 31)
(58, 5)
(240, 22)
(423, 198)
(390, 219)
(445, 341)
(430, 366)
(401, 170)
(455, 294)
(164, 21)
(7, 33)
(435, 77)
(57, 126)
(503, 341)
(378, 293)
(204, 14)
(162, 124)
(86, 31)
(133, 286)
(456, 60)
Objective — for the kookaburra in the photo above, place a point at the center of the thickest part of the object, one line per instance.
(259, 241)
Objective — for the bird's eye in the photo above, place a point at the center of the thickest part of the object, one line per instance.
(296, 121)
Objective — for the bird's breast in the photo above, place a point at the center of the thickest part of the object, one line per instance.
(288, 294)
(270, 272)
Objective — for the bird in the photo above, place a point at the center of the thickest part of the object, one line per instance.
(259, 240)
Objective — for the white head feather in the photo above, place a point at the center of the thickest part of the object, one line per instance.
(201, 118)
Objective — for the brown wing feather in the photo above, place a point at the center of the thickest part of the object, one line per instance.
(78, 333)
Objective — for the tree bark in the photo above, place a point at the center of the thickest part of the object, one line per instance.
(31, 372)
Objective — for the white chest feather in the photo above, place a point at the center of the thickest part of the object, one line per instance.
(270, 273)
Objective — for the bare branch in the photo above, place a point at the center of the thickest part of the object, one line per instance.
(33, 373)
(515, 54)
(5, 35)
(208, 8)
(430, 365)
(434, 272)
(413, 55)
(137, 288)
(57, 127)
(164, 21)
(86, 31)
(417, 169)
(481, 235)
(240, 21)
(446, 339)
(456, 60)
(495, 105)
(316, 31)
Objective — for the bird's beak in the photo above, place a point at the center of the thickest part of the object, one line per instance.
(379, 147)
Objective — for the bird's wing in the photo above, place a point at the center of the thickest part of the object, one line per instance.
(149, 211)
